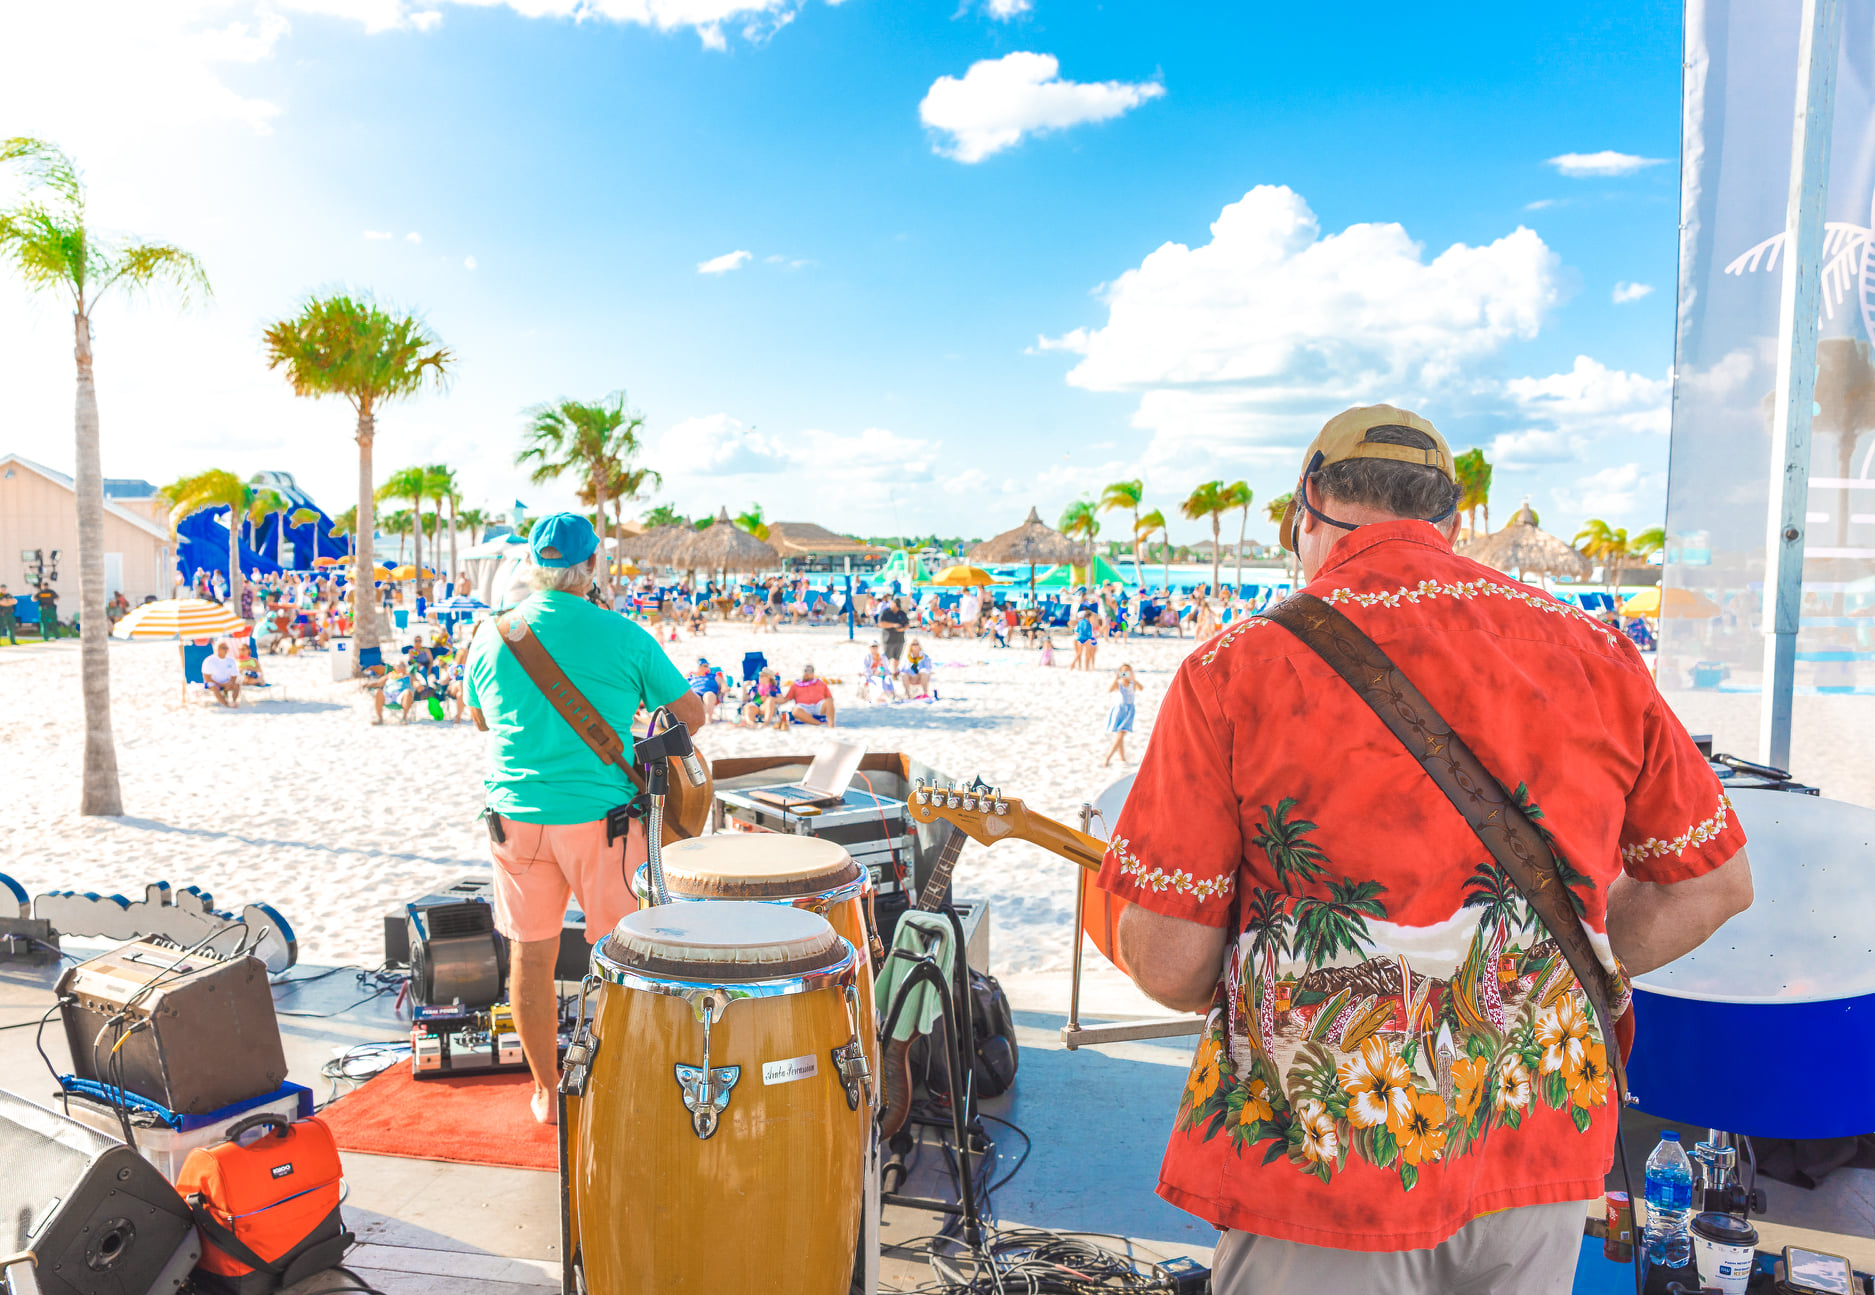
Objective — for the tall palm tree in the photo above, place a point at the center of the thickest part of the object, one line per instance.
(352, 347)
(1296, 859)
(1240, 497)
(1491, 890)
(407, 484)
(625, 487)
(219, 488)
(475, 519)
(400, 524)
(1273, 511)
(1608, 545)
(1649, 542)
(440, 481)
(1267, 920)
(1212, 500)
(1325, 927)
(1128, 495)
(588, 437)
(49, 242)
(1474, 488)
(1143, 527)
(1081, 520)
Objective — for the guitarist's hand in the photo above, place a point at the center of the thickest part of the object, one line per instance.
(1174, 961)
(689, 709)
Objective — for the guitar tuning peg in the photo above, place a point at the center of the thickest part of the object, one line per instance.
(1002, 807)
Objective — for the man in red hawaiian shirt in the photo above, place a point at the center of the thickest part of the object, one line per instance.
(1401, 1087)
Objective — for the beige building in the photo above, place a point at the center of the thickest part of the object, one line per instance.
(39, 511)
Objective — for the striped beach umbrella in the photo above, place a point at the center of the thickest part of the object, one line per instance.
(179, 618)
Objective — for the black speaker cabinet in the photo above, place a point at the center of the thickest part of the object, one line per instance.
(98, 1217)
(456, 955)
(199, 1031)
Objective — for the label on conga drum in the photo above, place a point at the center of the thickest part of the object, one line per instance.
(786, 1072)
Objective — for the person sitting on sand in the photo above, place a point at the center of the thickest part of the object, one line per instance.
(706, 681)
(1048, 649)
(917, 670)
(1120, 717)
(390, 690)
(760, 700)
(807, 699)
(250, 668)
(221, 675)
(876, 671)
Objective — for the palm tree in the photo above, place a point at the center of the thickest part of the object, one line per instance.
(662, 515)
(475, 519)
(1273, 511)
(50, 243)
(1126, 494)
(351, 347)
(1608, 545)
(1491, 889)
(219, 488)
(1325, 927)
(753, 522)
(1239, 492)
(407, 484)
(399, 524)
(440, 480)
(591, 438)
(1648, 542)
(1267, 920)
(1474, 487)
(346, 524)
(626, 486)
(1212, 500)
(1081, 520)
(1143, 528)
(1296, 859)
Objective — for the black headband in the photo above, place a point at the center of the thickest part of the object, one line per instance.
(1314, 469)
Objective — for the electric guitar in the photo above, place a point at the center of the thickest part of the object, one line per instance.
(987, 816)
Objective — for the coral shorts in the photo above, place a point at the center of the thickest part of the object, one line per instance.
(541, 863)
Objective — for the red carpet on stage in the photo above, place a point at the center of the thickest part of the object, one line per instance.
(472, 1119)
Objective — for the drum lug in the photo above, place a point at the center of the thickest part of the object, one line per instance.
(849, 1059)
(577, 1068)
(706, 1090)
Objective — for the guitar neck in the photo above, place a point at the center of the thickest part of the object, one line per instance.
(940, 879)
(1058, 838)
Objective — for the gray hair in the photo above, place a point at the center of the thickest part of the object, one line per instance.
(576, 579)
(1402, 489)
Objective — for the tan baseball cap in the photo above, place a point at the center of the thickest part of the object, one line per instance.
(1344, 437)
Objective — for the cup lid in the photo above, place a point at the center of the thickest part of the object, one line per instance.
(1725, 1229)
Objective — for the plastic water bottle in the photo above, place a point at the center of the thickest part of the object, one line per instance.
(1669, 1203)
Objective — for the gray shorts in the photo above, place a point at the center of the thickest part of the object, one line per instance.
(1530, 1250)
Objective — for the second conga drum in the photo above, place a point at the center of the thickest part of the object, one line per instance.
(802, 872)
(718, 1143)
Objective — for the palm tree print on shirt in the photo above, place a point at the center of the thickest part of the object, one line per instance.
(1355, 1051)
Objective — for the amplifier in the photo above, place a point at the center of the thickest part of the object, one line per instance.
(575, 954)
(875, 830)
(456, 955)
(99, 1218)
(190, 1031)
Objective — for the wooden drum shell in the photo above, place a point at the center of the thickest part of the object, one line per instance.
(770, 1202)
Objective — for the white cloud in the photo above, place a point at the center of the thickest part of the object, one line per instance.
(1606, 162)
(1614, 493)
(722, 264)
(427, 19)
(1245, 344)
(998, 101)
(702, 450)
(1533, 448)
(1593, 399)
(718, 445)
(468, 262)
(1004, 10)
(413, 236)
(377, 235)
(758, 19)
(1542, 204)
(1626, 292)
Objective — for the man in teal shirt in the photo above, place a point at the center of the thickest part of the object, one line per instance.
(547, 793)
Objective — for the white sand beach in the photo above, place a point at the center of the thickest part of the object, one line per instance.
(296, 799)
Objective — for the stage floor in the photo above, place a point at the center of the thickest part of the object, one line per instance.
(1097, 1119)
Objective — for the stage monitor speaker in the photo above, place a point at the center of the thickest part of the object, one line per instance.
(456, 955)
(198, 1032)
(97, 1217)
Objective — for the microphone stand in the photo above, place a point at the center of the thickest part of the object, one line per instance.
(654, 754)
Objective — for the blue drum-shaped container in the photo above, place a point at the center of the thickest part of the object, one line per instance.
(1769, 1027)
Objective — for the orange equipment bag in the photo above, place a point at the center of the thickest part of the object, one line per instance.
(269, 1211)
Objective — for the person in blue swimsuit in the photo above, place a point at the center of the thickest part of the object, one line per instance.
(1120, 717)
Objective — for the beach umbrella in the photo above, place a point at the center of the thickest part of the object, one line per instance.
(179, 618)
(1520, 547)
(725, 547)
(329, 562)
(964, 576)
(1686, 603)
(461, 603)
(1035, 541)
(409, 572)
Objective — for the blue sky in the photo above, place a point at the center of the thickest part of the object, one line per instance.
(997, 254)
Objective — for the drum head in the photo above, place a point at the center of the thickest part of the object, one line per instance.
(725, 942)
(757, 865)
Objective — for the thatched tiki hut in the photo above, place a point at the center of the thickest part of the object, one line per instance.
(724, 546)
(1521, 549)
(657, 546)
(1034, 542)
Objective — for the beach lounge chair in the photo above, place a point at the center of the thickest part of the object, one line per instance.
(753, 663)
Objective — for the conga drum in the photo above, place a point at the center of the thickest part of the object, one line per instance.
(802, 872)
(716, 1108)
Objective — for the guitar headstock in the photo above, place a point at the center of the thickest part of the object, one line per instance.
(978, 810)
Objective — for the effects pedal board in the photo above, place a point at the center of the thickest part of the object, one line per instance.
(451, 1041)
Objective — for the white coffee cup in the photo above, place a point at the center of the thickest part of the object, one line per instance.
(1724, 1248)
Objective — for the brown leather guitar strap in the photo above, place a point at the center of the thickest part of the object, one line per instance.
(560, 693)
(1512, 839)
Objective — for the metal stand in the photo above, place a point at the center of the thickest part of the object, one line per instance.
(1074, 1034)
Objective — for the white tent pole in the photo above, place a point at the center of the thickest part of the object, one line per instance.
(1798, 309)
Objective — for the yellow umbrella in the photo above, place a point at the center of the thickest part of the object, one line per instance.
(1686, 603)
(408, 572)
(330, 562)
(963, 577)
(179, 618)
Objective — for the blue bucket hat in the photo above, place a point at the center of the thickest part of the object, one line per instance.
(562, 540)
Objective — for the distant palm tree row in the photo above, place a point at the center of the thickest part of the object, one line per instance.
(1081, 519)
